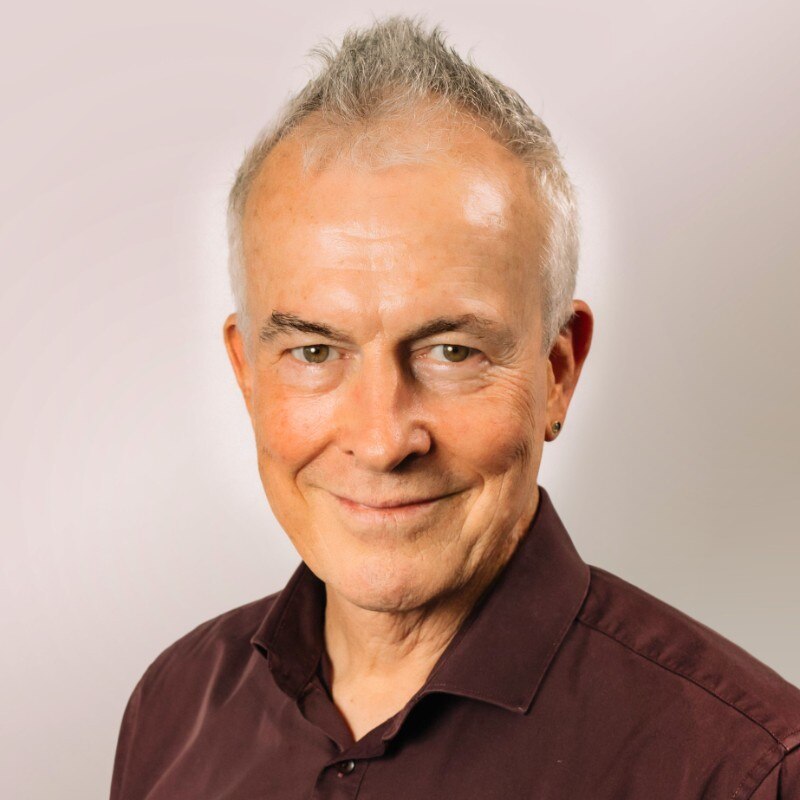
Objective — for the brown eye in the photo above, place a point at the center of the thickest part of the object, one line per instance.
(451, 352)
(313, 353)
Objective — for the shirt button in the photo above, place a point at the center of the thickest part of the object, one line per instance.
(346, 767)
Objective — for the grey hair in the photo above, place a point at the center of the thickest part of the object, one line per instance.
(391, 71)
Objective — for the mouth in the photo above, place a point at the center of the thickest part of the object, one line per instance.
(391, 508)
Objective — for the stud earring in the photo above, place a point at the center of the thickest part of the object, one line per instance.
(555, 427)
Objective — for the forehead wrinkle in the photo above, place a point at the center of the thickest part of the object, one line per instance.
(360, 246)
(354, 229)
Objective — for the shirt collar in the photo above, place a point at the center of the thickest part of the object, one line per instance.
(501, 651)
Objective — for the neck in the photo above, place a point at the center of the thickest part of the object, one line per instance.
(367, 644)
(380, 659)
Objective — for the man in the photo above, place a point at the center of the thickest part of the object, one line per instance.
(403, 256)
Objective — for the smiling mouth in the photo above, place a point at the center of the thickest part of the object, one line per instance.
(395, 505)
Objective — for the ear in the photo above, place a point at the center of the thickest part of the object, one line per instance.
(566, 361)
(235, 345)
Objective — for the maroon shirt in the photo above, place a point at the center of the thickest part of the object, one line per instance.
(564, 682)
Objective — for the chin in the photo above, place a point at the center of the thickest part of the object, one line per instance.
(383, 585)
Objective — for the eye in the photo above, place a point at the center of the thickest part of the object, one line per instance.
(314, 353)
(450, 352)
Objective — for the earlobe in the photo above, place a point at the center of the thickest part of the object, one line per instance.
(235, 346)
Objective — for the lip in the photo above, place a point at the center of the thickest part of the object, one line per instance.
(391, 504)
(400, 507)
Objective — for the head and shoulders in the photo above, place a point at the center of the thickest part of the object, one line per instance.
(404, 251)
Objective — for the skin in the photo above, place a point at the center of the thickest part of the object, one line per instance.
(355, 426)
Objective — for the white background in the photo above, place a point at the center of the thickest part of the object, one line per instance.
(131, 506)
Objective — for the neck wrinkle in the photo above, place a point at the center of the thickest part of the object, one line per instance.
(362, 643)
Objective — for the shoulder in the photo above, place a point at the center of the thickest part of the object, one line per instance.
(688, 652)
(219, 644)
(180, 692)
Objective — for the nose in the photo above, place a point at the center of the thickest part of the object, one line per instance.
(381, 420)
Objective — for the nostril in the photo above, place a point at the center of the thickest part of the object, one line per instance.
(408, 461)
(387, 450)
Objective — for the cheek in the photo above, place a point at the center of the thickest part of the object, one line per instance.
(290, 430)
(494, 432)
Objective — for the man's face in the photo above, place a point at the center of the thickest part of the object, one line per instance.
(398, 390)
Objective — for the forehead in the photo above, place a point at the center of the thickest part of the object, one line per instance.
(459, 210)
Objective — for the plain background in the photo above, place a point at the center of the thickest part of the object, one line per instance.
(131, 505)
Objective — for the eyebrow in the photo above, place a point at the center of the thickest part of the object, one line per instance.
(480, 327)
(281, 323)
